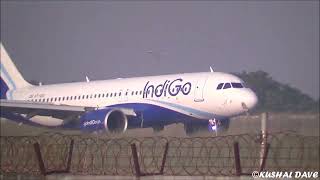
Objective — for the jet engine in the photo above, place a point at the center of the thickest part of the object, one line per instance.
(106, 120)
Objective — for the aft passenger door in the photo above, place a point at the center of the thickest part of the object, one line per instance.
(198, 94)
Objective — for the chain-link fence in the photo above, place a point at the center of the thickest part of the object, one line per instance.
(94, 155)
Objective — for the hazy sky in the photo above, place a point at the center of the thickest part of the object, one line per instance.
(59, 41)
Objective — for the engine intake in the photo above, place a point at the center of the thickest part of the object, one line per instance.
(116, 122)
(109, 120)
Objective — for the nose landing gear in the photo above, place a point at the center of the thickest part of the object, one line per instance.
(214, 124)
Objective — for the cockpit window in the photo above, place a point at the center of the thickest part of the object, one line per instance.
(236, 85)
(230, 85)
(226, 86)
(220, 86)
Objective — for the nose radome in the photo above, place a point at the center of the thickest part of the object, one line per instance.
(249, 100)
(252, 100)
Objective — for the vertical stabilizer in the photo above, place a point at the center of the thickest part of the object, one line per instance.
(11, 78)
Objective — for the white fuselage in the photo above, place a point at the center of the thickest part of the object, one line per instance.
(193, 94)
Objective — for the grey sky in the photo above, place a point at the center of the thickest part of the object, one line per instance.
(58, 42)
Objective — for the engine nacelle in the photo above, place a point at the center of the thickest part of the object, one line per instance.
(109, 120)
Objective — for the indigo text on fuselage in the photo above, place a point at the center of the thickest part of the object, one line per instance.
(168, 88)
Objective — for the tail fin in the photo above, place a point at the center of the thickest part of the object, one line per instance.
(11, 78)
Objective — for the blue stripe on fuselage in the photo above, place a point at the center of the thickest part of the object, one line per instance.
(152, 115)
(155, 115)
(193, 111)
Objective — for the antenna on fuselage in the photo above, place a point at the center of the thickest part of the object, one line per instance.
(87, 79)
(211, 69)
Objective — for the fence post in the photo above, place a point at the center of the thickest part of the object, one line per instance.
(135, 159)
(70, 156)
(237, 158)
(164, 158)
(39, 157)
(264, 142)
(264, 158)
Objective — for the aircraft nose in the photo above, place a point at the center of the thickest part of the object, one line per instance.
(250, 100)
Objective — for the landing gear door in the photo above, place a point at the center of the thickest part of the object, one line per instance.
(198, 94)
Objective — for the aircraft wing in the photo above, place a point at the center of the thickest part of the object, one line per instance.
(64, 112)
(42, 109)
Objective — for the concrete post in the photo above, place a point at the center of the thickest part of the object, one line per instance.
(264, 133)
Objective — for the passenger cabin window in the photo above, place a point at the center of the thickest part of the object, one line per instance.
(227, 86)
(220, 86)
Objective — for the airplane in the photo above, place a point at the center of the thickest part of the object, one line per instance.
(116, 105)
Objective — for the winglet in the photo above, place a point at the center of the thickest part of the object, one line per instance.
(211, 70)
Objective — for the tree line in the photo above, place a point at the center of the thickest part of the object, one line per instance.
(277, 97)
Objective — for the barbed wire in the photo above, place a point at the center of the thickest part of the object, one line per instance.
(94, 155)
